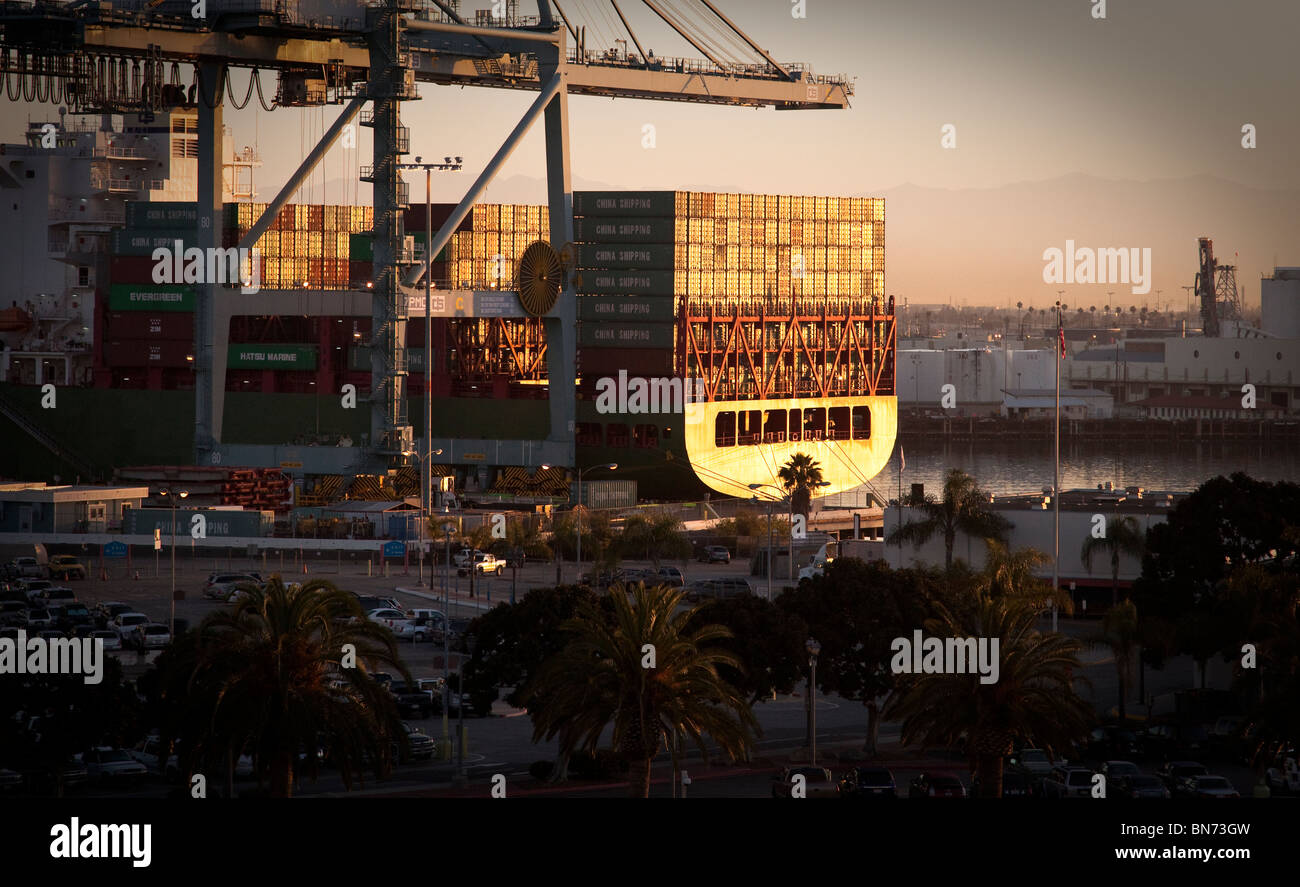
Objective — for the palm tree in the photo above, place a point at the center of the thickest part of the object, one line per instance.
(799, 476)
(601, 677)
(963, 509)
(1119, 632)
(287, 668)
(1032, 699)
(1010, 574)
(1124, 535)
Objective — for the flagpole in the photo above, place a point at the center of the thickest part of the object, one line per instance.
(1056, 474)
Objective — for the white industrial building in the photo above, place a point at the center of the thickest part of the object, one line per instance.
(1032, 527)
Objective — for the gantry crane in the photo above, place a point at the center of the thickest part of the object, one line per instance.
(112, 57)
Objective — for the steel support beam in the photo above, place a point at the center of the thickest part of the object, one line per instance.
(685, 36)
(496, 33)
(304, 169)
(743, 36)
(209, 340)
(553, 88)
(623, 19)
(561, 324)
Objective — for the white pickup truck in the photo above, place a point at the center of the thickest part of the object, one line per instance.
(483, 565)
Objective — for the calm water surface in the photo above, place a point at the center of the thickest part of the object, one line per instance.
(1010, 466)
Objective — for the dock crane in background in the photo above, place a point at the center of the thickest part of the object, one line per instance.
(112, 57)
(1216, 287)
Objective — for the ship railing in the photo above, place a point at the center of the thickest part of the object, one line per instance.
(112, 152)
(90, 216)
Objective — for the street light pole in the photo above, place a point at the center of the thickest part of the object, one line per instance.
(171, 494)
(425, 495)
(577, 509)
(813, 649)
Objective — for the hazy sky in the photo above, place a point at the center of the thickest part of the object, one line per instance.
(1037, 89)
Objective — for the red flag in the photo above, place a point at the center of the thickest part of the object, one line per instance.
(1061, 330)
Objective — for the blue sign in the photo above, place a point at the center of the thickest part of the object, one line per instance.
(115, 549)
(394, 549)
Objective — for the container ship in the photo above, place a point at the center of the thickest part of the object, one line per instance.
(718, 335)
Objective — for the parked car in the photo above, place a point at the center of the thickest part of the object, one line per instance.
(107, 765)
(1137, 785)
(1207, 787)
(718, 589)
(1113, 770)
(463, 557)
(1174, 772)
(1067, 782)
(1111, 741)
(672, 576)
(1033, 761)
(13, 613)
(151, 636)
(387, 616)
(58, 594)
(75, 618)
(28, 567)
(370, 602)
(714, 554)
(869, 782)
(412, 701)
(109, 638)
(35, 589)
(220, 585)
(125, 624)
(818, 783)
(1165, 741)
(420, 746)
(936, 785)
(106, 611)
(38, 617)
(65, 566)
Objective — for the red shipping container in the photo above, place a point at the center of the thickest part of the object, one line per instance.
(148, 353)
(131, 269)
(645, 362)
(441, 212)
(154, 326)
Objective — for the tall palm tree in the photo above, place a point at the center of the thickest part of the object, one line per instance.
(799, 476)
(601, 678)
(1124, 535)
(283, 680)
(963, 509)
(1119, 632)
(1033, 698)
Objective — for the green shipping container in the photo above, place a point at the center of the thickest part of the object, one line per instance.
(638, 256)
(625, 203)
(142, 242)
(359, 359)
(361, 247)
(143, 297)
(624, 230)
(627, 335)
(169, 215)
(268, 357)
(630, 283)
(646, 309)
